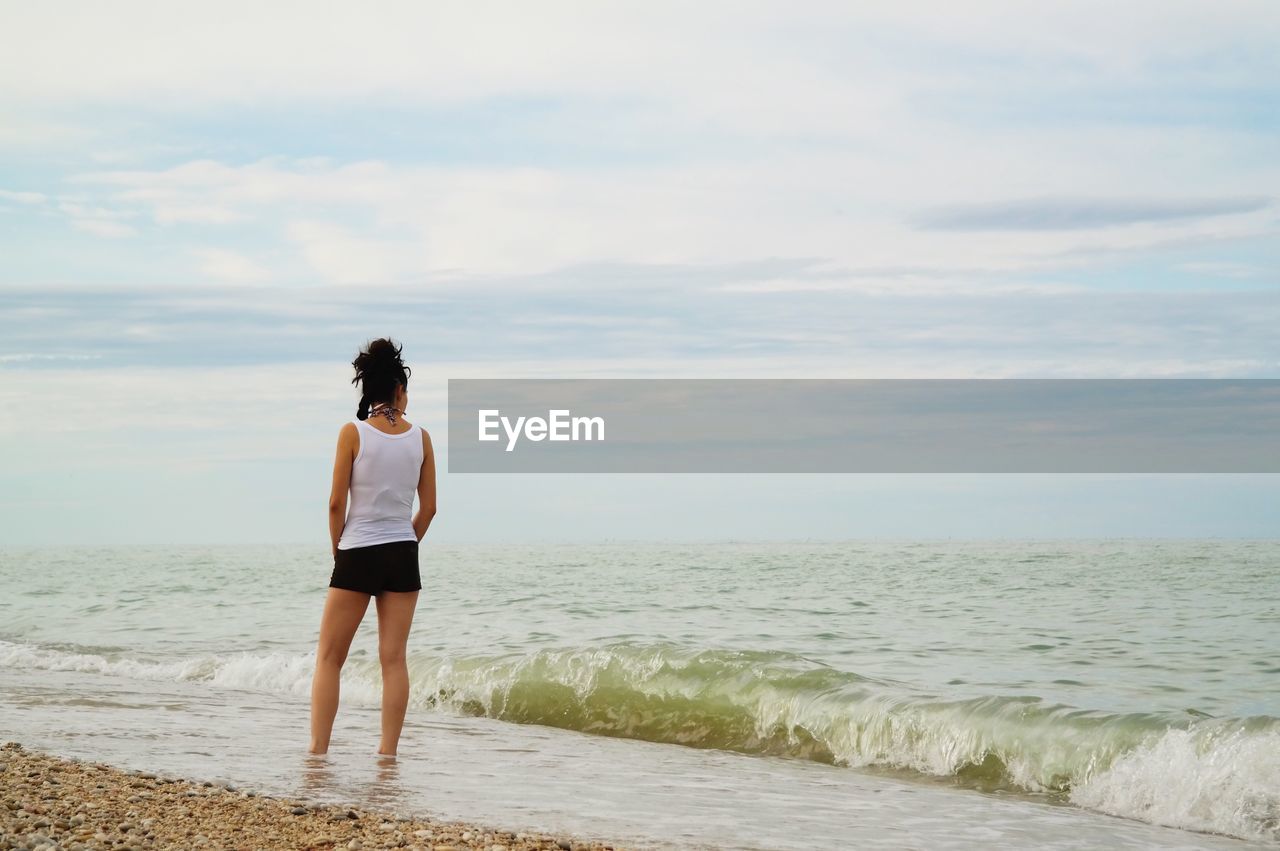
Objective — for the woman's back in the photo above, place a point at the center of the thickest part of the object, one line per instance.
(384, 479)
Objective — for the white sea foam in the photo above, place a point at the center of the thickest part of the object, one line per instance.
(277, 672)
(1224, 783)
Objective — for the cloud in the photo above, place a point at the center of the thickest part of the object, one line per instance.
(168, 214)
(78, 210)
(1227, 269)
(104, 227)
(486, 48)
(380, 222)
(341, 257)
(502, 326)
(27, 357)
(28, 134)
(548, 147)
(1080, 213)
(99, 221)
(229, 266)
(22, 197)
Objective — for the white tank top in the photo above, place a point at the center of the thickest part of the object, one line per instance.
(384, 479)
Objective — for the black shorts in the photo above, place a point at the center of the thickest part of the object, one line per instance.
(377, 568)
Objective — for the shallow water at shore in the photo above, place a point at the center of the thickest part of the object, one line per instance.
(525, 777)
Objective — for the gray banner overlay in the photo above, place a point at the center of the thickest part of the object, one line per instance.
(864, 426)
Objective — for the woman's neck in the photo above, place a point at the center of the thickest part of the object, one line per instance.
(387, 411)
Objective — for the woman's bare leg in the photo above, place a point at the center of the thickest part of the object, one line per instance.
(343, 611)
(395, 616)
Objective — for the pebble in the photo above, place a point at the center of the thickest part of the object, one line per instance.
(94, 807)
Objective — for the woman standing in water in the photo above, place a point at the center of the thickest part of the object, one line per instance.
(382, 461)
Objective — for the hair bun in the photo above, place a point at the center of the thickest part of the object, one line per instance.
(382, 349)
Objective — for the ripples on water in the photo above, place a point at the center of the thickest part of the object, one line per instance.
(1134, 678)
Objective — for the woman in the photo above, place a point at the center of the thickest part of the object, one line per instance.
(382, 459)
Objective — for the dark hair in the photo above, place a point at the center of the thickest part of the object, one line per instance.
(378, 370)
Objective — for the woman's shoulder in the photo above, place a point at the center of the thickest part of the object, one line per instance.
(348, 436)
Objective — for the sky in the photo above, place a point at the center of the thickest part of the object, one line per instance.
(206, 208)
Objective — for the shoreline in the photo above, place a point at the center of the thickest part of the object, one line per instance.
(92, 805)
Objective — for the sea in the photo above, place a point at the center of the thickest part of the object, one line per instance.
(868, 694)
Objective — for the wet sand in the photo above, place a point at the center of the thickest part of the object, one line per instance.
(50, 802)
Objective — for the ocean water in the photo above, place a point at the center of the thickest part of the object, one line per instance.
(893, 694)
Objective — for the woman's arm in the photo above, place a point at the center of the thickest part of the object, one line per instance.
(426, 488)
(348, 443)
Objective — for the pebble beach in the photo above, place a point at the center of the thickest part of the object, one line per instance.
(55, 803)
